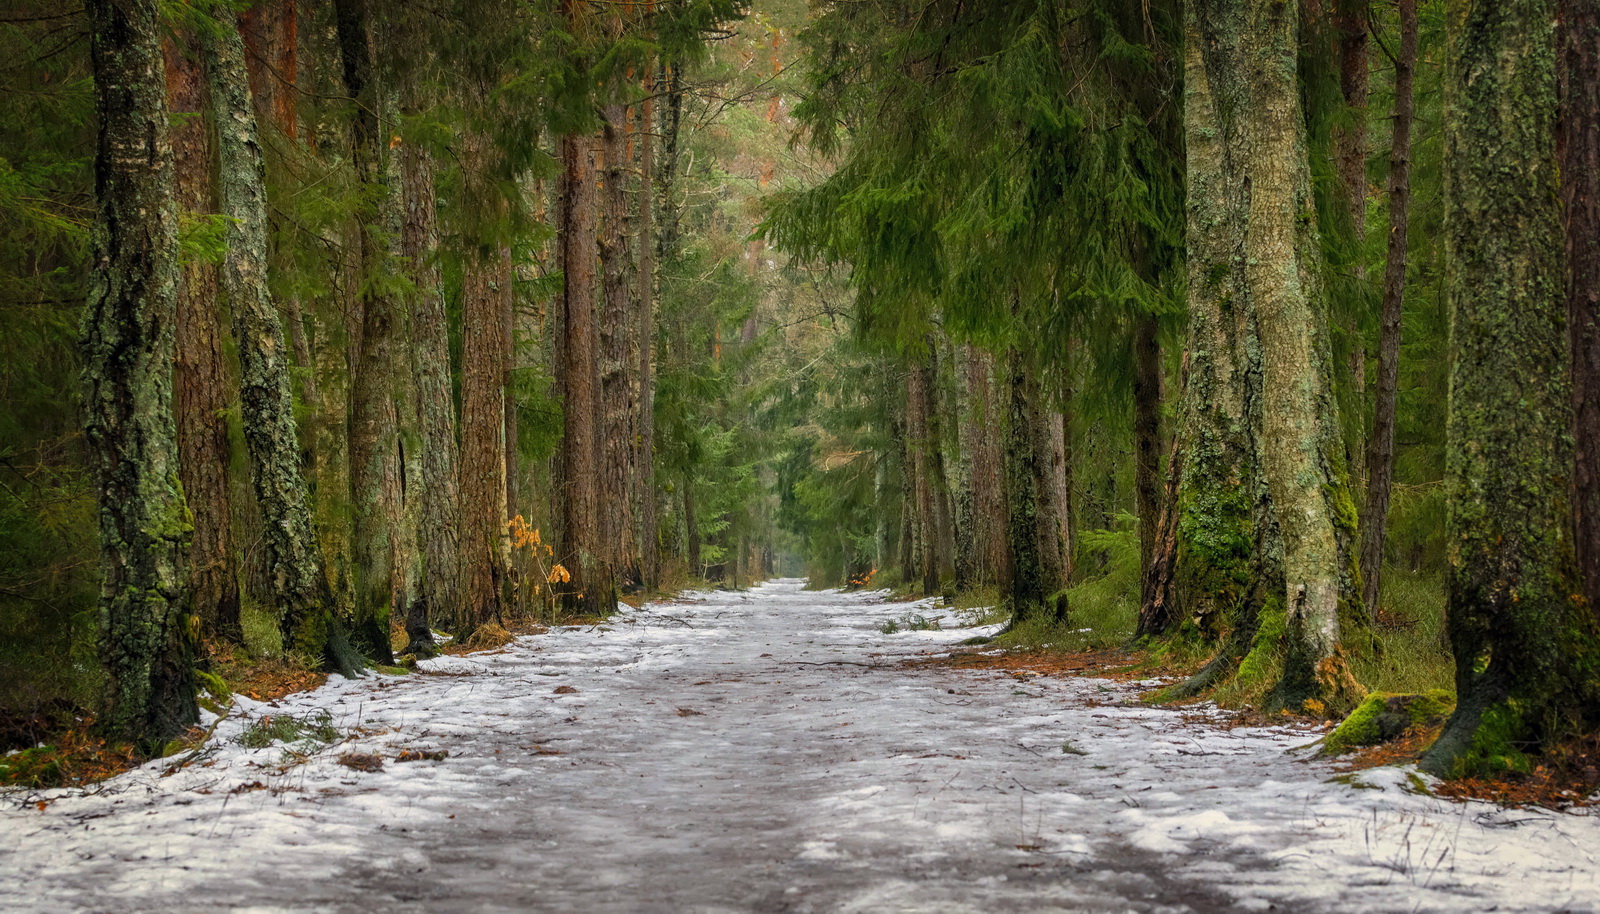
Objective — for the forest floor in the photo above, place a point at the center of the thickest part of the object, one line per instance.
(773, 750)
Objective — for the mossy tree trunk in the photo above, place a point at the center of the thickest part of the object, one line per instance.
(201, 397)
(1036, 575)
(1260, 386)
(293, 556)
(374, 423)
(147, 635)
(1579, 144)
(1302, 452)
(1527, 655)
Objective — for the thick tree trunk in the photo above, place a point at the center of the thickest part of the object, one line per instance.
(485, 287)
(147, 646)
(591, 590)
(616, 358)
(271, 36)
(374, 425)
(1525, 643)
(1223, 520)
(200, 396)
(1380, 445)
(293, 556)
(691, 528)
(439, 485)
(1579, 144)
(1033, 554)
(1248, 100)
(1302, 453)
(1147, 399)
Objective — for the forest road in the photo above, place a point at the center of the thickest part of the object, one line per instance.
(770, 751)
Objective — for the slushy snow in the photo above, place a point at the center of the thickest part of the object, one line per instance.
(768, 751)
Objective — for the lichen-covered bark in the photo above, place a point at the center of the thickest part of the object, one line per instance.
(200, 384)
(438, 488)
(1220, 517)
(293, 556)
(1302, 454)
(591, 590)
(1033, 555)
(1260, 391)
(1380, 445)
(1579, 143)
(374, 424)
(1527, 655)
(616, 357)
(147, 635)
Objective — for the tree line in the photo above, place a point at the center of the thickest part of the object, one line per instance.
(1129, 283)
(385, 306)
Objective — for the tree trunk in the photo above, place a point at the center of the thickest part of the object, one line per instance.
(691, 528)
(271, 37)
(293, 556)
(1147, 399)
(485, 286)
(147, 646)
(1525, 643)
(374, 425)
(1380, 446)
(1302, 453)
(591, 590)
(1223, 520)
(200, 396)
(1033, 556)
(925, 537)
(1056, 531)
(1579, 145)
(616, 384)
(1350, 150)
(440, 491)
(649, 511)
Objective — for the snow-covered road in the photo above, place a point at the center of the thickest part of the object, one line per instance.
(767, 751)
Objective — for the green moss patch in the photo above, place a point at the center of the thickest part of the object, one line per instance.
(1386, 716)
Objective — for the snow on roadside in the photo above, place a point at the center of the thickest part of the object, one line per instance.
(778, 726)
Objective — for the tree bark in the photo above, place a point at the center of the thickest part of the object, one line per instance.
(293, 556)
(1147, 397)
(925, 538)
(486, 284)
(1380, 445)
(147, 644)
(1579, 144)
(1302, 453)
(200, 396)
(616, 383)
(440, 490)
(591, 590)
(374, 424)
(649, 510)
(1525, 643)
(1033, 554)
